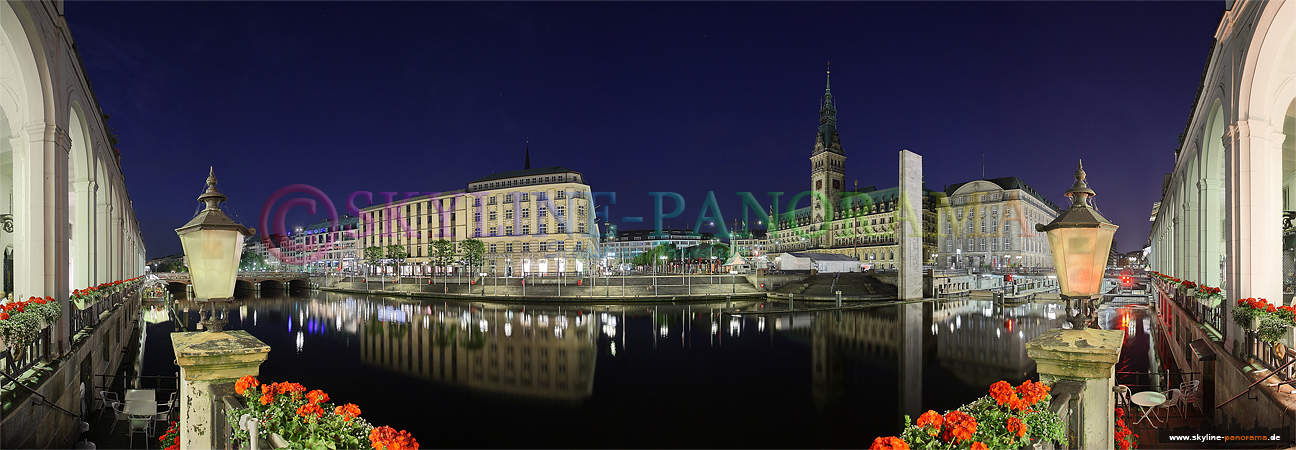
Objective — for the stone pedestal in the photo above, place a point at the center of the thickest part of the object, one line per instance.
(1087, 356)
(209, 365)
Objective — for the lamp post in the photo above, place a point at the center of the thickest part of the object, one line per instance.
(1079, 239)
(212, 245)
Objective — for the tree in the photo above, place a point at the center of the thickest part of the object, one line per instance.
(473, 253)
(442, 252)
(397, 254)
(653, 256)
(251, 261)
(372, 256)
(721, 251)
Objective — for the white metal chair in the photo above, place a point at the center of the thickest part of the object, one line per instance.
(140, 425)
(1123, 396)
(164, 414)
(1191, 395)
(105, 400)
(1173, 397)
(119, 413)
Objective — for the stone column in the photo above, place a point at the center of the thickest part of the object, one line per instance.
(210, 363)
(909, 228)
(1087, 356)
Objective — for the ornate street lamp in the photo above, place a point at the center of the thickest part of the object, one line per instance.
(212, 245)
(1080, 239)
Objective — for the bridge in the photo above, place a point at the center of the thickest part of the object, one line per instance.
(247, 280)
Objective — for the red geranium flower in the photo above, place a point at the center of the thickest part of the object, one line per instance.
(889, 443)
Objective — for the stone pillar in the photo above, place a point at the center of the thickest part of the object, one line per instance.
(909, 228)
(1087, 356)
(210, 363)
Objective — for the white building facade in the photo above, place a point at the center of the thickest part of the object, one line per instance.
(991, 224)
(61, 181)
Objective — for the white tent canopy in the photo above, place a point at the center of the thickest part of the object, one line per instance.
(822, 262)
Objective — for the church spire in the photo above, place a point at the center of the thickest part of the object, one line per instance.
(528, 154)
(827, 113)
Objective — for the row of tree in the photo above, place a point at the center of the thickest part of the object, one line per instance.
(700, 253)
(472, 253)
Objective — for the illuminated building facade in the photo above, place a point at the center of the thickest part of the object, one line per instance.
(530, 221)
(991, 224)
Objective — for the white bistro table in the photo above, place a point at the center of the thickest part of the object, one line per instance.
(140, 394)
(1148, 400)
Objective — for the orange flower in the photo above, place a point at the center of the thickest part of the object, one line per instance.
(387, 438)
(1033, 392)
(317, 396)
(978, 446)
(271, 388)
(266, 399)
(347, 411)
(933, 419)
(889, 443)
(245, 383)
(310, 409)
(1016, 426)
(959, 426)
(1001, 391)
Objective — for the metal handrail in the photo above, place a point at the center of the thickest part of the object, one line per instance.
(1266, 377)
(43, 399)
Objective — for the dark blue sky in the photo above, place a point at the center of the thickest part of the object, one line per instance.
(640, 97)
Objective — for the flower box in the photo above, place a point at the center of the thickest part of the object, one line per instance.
(1007, 418)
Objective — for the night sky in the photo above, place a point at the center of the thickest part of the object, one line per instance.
(639, 97)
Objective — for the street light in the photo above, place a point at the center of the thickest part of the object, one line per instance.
(1079, 239)
(212, 245)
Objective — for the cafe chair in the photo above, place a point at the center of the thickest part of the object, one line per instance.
(140, 425)
(163, 414)
(1122, 396)
(119, 412)
(1173, 397)
(106, 399)
(1191, 395)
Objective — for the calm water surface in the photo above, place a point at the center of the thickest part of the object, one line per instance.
(474, 375)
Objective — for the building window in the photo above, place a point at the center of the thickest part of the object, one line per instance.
(526, 246)
(544, 246)
(491, 215)
(541, 228)
(508, 248)
(561, 247)
(492, 248)
(526, 229)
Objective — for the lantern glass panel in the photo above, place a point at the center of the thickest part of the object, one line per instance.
(213, 257)
(1080, 256)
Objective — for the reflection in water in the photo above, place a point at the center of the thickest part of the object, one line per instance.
(826, 375)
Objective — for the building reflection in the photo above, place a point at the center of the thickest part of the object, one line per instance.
(977, 342)
(540, 354)
(981, 343)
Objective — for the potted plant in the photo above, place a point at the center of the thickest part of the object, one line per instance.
(1270, 323)
(292, 417)
(1007, 418)
(21, 321)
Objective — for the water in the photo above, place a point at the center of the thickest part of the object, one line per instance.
(471, 375)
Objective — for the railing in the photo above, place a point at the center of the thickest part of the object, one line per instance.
(1196, 308)
(1066, 403)
(36, 351)
(15, 361)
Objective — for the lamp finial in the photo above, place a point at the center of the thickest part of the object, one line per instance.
(211, 196)
(1080, 192)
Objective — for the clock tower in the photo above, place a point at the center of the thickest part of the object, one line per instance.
(828, 161)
